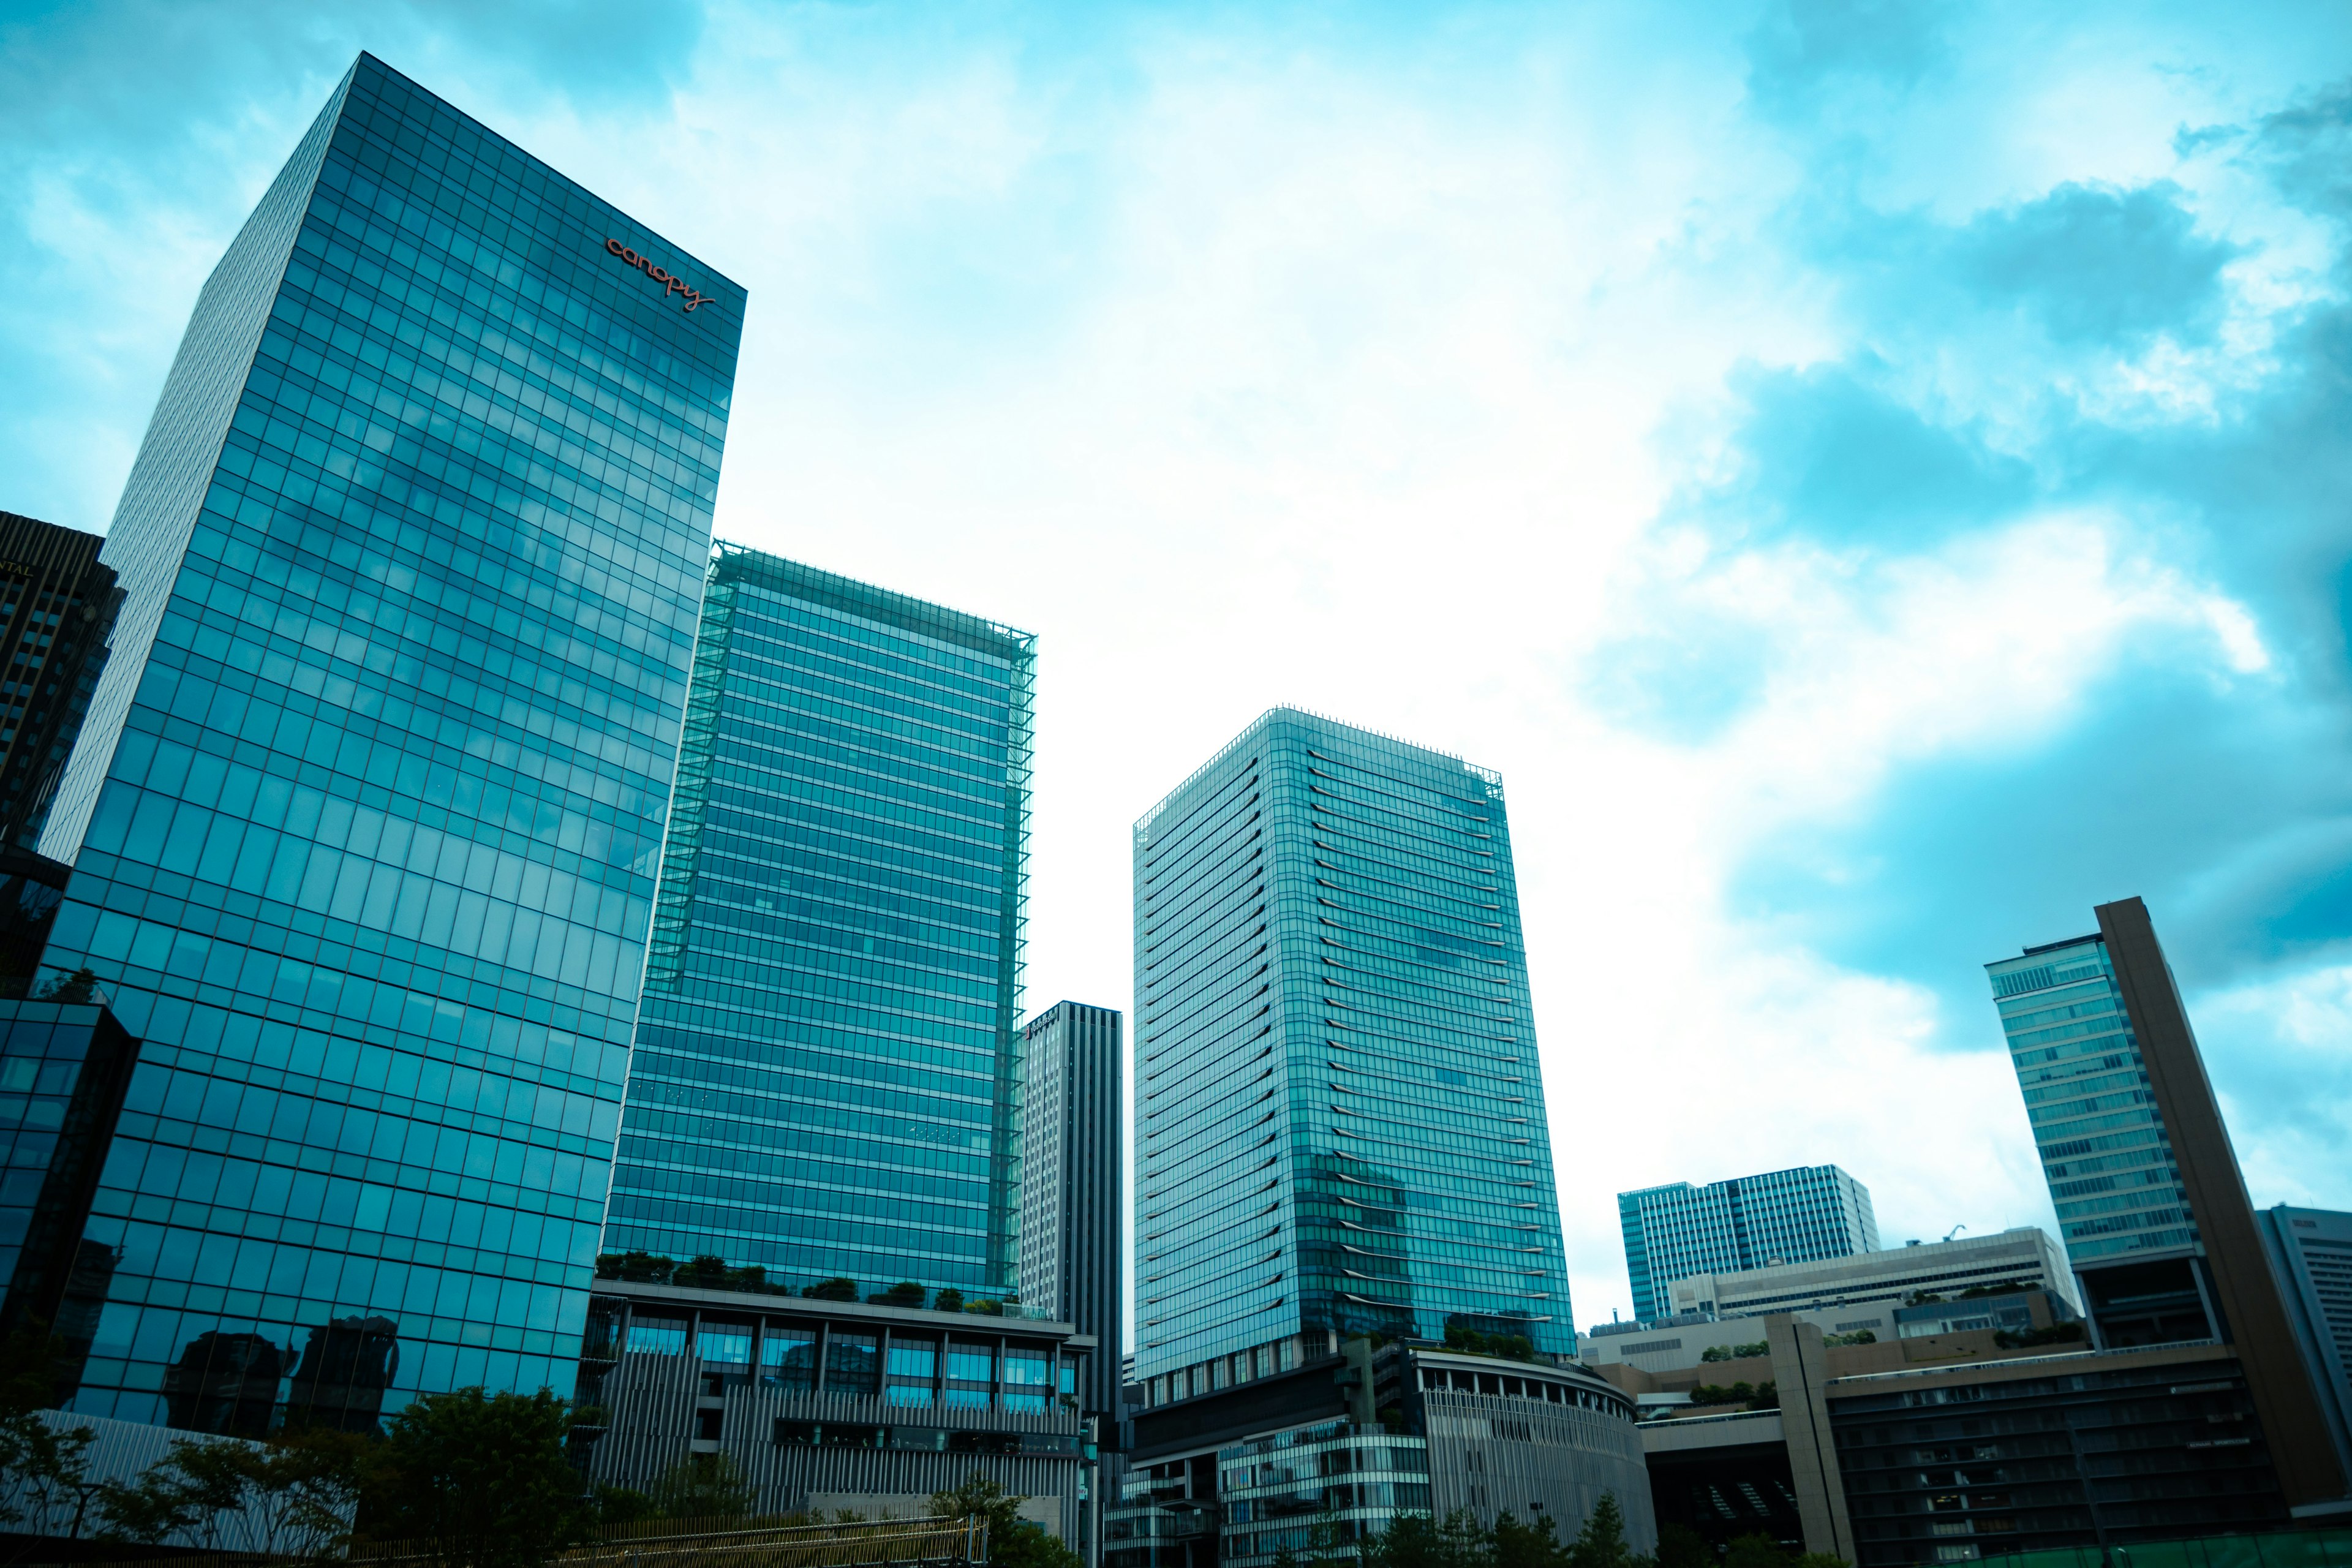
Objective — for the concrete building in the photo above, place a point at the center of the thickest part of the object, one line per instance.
(1874, 1283)
(1327, 1454)
(2312, 1250)
(1727, 1341)
(836, 1405)
(2151, 1204)
(1950, 1448)
(1799, 1216)
(1071, 1195)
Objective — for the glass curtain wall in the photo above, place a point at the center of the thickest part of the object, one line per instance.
(827, 1079)
(369, 802)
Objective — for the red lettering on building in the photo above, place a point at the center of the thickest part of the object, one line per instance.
(670, 284)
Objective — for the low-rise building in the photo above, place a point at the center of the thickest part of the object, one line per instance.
(1336, 1450)
(1870, 1283)
(836, 1405)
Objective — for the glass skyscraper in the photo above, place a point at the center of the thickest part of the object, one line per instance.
(827, 1076)
(2113, 1174)
(1339, 1111)
(1800, 1215)
(366, 813)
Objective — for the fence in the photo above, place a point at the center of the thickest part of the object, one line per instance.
(2281, 1549)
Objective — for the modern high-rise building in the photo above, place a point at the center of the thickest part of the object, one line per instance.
(366, 815)
(1339, 1110)
(1800, 1215)
(827, 1083)
(2312, 1250)
(1071, 1193)
(2151, 1204)
(58, 605)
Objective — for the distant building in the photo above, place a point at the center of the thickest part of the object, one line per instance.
(58, 606)
(1871, 1284)
(2151, 1204)
(834, 1404)
(2311, 1249)
(824, 1085)
(1072, 1205)
(1799, 1216)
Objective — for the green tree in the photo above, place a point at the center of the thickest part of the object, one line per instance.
(1601, 1543)
(479, 1479)
(904, 1293)
(1756, 1550)
(1013, 1541)
(1417, 1540)
(833, 1289)
(1534, 1545)
(1680, 1546)
(702, 1486)
(950, 1300)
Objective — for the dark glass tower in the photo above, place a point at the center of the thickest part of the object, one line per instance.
(366, 815)
(1339, 1112)
(826, 1080)
(58, 605)
(1799, 1216)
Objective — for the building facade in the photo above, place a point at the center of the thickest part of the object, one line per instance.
(2151, 1203)
(1072, 1205)
(2312, 1250)
(57, 605)
(366, 812)
(828, 1405)
(1851, 1294)
(1313, 1462)
(827, 1083)
(1339, 1110)
(1799, 1216)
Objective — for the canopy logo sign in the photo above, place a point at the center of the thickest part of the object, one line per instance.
(671, 285)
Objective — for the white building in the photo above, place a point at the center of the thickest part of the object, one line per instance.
(1844, 1294)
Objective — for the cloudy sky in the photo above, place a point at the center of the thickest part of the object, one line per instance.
(1876, 478)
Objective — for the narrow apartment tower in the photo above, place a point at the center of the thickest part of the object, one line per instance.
(826, 1080)
(1339, 1111)
(1072, 1203)
(2151, 1204)
(1804, 1216)
(366, 812)
(58, 605)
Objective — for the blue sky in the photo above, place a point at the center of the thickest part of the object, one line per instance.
(1876, 478)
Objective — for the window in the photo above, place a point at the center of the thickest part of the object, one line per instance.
(657, 1336)
(913, 1365)
(725, 1345)
(1028, 1374)
(851, 1362)
(788, 1359)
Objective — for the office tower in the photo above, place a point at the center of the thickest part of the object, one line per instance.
(2151, 1204)
(2312, 1250)
(58, 606)
(1339, 1112)
(1800, 1215)
(827, 1079)
(1071, 1207)
(366, 813)
(65, 1064)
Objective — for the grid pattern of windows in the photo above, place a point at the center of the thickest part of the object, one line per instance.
(1339, 1111)
(1071, 1213)
(1800, 1215)
(825, 1083)
(372, 789)
(2102, 1144)
(58, 606)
